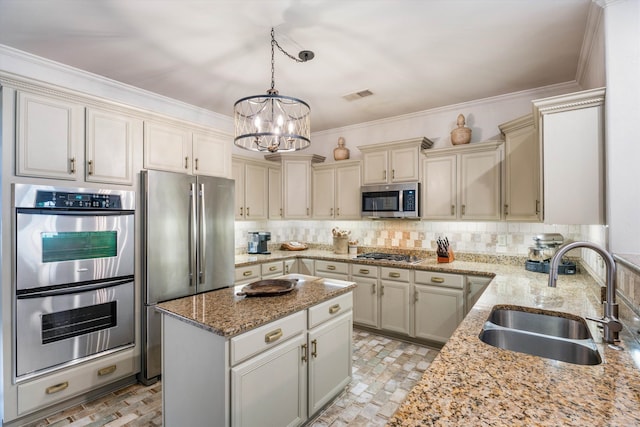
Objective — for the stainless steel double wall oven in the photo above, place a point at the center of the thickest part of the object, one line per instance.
(74, 275)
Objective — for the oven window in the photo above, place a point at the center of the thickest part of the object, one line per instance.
(78, 321)
(381, 201)
(77, 245)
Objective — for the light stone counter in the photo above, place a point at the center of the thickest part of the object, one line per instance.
(471, 383)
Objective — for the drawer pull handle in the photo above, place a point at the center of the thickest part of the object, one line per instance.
(196, 160)
(314, 348)
(364, 271)
(106, 371)
(90, 165)
(72, 166)
(437, 280)
(331, 267)
(334, 309)
(273, 268)
(394, 275)
(247, 273)
(373, 289)
(58, 387)
(273, 336)
(305, 351)
(186, 162)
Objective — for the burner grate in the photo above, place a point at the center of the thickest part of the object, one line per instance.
(390, 257)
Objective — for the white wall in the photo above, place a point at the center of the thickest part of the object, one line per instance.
(622, 109)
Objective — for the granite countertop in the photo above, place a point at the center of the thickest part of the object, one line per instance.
(472, 383)
(224, 313)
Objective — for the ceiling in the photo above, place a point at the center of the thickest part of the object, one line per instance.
(413, 55)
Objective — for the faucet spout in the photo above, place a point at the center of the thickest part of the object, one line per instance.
(610, 322)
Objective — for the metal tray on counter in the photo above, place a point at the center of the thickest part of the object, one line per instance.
(268, 287)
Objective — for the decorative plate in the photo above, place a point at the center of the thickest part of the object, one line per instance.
(269, 287)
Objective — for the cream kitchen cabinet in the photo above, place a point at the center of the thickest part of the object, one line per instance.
(272, 269)
(463, 183)
(332, 269)
(329, 350)
(395, 288)
(247, 274)
(177, 148)
(275, 192)
(439, 301)
(336, 190)
(252, 189)
(365, 296)
(571, 132)
(522, 184)
(54, 140)
(391, 162)
(296, 183)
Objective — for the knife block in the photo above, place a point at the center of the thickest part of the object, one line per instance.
(448, 258)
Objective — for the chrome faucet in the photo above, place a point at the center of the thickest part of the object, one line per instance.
(610, 322)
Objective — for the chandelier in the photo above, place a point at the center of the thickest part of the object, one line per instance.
(273, 122)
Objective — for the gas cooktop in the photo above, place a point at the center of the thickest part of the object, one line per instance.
(400, 258)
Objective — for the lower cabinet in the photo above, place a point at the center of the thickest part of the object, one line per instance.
(395, 291)
(439, 305)
(365, 295)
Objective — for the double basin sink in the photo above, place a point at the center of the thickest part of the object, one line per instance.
(544, 333)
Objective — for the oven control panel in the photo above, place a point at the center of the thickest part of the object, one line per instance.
(61, 199)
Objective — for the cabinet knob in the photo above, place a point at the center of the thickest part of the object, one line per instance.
(273, 336)
(56, 388)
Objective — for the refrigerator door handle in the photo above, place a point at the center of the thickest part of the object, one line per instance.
(193, 234)
(202, 233)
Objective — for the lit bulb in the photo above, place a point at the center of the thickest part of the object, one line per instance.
(257, 123)
(290, 127)
(280, 121)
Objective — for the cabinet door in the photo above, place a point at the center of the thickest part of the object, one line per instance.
(49, 135)
(375, 167)
(480, 174)
(347, 197)
(297, 186)
(256, 192)
(167, 148)
(110, 140)
(270, 389)
(437, 312)
(439, 188)
(394, 306)
(404, 165)
(323, 193)
(211, 155)
(275, 193)
(329, 360)
(365, 301)
(522, 175)
(237, 174)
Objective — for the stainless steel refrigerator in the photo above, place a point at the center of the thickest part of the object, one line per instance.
(188, 247)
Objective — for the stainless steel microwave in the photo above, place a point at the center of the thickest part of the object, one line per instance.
(391, 200)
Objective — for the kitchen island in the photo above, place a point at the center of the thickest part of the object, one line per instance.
(473, 383)
(246, 361)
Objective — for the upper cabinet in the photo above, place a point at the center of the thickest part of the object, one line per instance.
(275, 192)
(389, 162)
(55, 139)
(176, 148)
(110, 140)
(522, 189)
(463, 182)
(252, 188)
(296, 183)
(571, 132)
(336, 190)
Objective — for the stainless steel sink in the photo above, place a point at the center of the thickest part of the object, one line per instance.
(549, 334)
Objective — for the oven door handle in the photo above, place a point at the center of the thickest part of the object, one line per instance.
(71, 212)
(75, 289)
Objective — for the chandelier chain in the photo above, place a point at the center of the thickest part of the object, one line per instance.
(275, 43)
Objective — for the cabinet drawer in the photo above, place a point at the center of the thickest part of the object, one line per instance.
(332, 267)
(440, 279)
(63, 385)
(329, 309)
(398, 274)
(260, 339)
(364, 270)
(248, 272)
(272, 268)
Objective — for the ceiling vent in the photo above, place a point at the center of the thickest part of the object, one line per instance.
(357, 95)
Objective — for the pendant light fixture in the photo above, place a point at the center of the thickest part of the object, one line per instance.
(273, 122)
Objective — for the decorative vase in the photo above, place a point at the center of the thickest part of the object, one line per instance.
(461, 134)
(340, 152)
